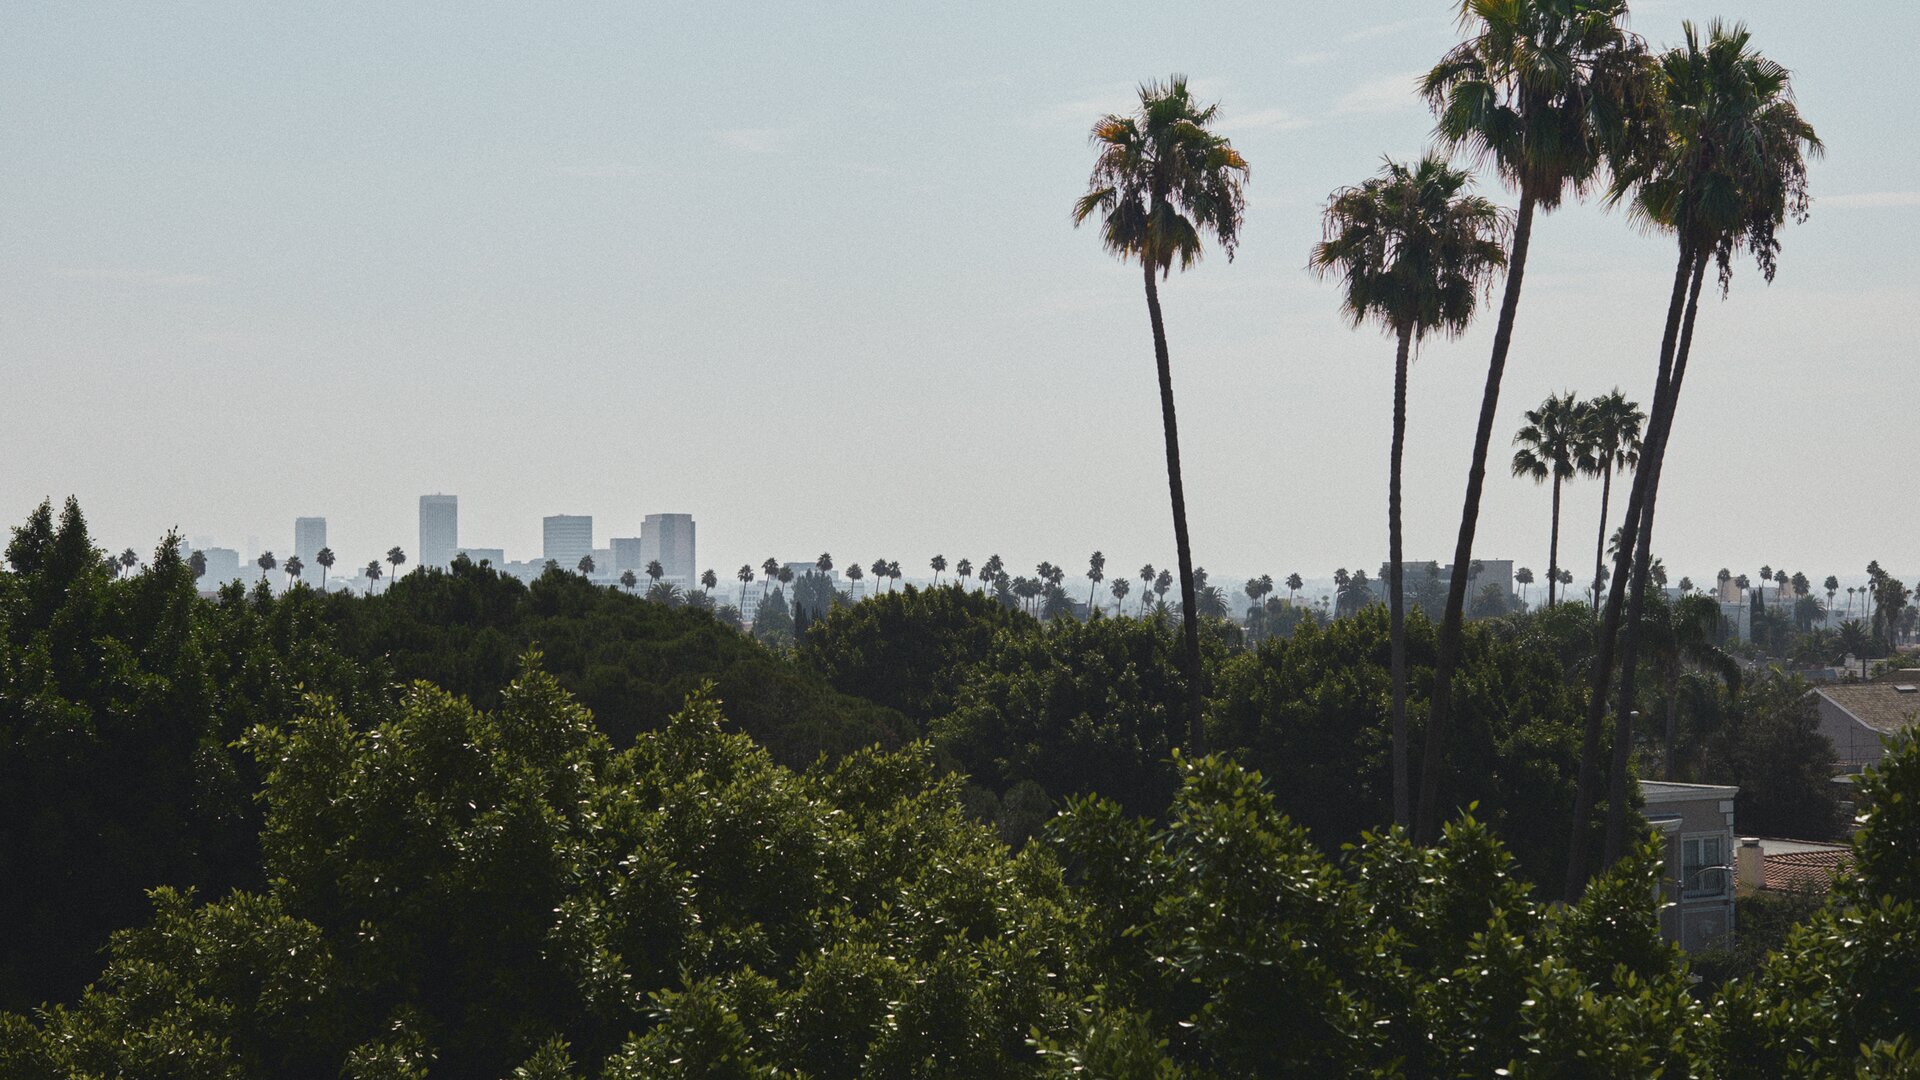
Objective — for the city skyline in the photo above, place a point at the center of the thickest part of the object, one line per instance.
(444, 242)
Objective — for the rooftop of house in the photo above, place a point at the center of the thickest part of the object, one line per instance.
(1663, 791)
(1885, 707)
(1804, 871)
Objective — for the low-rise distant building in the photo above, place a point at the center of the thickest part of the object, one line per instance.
(223, 565)
(494, 557)
(1695, 822)
(1858, 717)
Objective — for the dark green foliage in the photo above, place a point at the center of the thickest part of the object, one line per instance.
(1310, 713)
(631, 662)
(911, 650)
(1074, 707)
(118, 699)
(1768, 742)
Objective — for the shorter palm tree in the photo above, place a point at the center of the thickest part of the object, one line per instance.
(1550, 443)
(963, 570)
(824, 563)
(1096, 573)
(266, 562)
(396, 557)
(1523, 577)
(585, 566)
(709, 580)
(745, 574)
(128, 560)
(1678, 634)
(628, 579)
(197, 562)
(854, 574)
(1119, 588)
(879, 571)
(373, 574)
(655, 572)
(325, 558)
(1294, 585)
(939, 563)
(769, 570)
(293, 568)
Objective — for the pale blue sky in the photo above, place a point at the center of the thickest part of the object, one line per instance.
(805, 271)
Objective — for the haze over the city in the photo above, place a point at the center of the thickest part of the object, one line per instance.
(806, 272)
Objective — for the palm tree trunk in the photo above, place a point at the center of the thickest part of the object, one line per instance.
(1673, 721)
(1600, 545)
(1636, 595)
(1588, 784)
(1438, 715)
(1396, 609)
(1189, 614)
(1553, 539)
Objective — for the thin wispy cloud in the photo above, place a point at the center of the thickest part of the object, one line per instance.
(1390, 94)
(1869, 200)
(116, 276)
(765, 140)
(604, 172)
(1262, 120)
(1391, 29)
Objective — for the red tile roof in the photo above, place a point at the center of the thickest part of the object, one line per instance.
(1805, 871)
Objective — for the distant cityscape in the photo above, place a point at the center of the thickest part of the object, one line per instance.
(567, 541)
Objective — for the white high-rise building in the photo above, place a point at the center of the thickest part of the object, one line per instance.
(567, 538)
(439, 529)
(309, 536)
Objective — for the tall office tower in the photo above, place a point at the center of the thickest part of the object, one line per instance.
(439, 529)
(568, 538)
(223, 565)
(669, 538)
(309, 536)
(626, 555)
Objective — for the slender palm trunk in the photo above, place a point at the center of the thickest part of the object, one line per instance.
(1673, 721)
(1553, 539)
(1396, 608)
(1589, 777)
(1189, 615)
(1439, 713)
(1600, 545)
(1637, 592)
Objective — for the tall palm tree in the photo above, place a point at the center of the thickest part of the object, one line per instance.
(939, 563)
(1147, 574)
(1523, 577)
(266, 562)
(128, 560)
(395, 557)
(197, 562)
(293, 567)
(1162, 181)
(325, 558)
(1415, 252)
(709, 580)
(1294, 585)
(373, 574)
(824, 563)
(893, 574)
(745, 574)
(1612, 444)
(963, 570)
(1725, 168)
(854, 574)
(1540, 90)
(654, 572)
(1832, 585)
(1550, 445)
(769, 570)
(628, 580)
(1096, 573)
(585, 566)
(879, 572)
(1120, 588)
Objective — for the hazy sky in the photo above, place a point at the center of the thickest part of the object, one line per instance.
(806, 272)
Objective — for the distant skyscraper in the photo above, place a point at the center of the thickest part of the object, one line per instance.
(439, 529)
(223, 565)
(309, 536)
(669, 538)
(568, 538)
(627, 555)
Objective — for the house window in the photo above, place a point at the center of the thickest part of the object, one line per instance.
(1703, 862)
